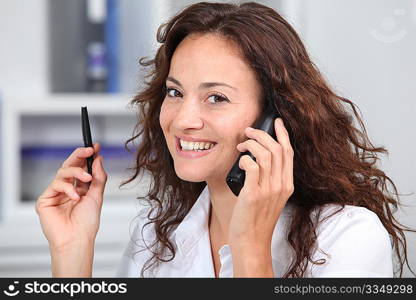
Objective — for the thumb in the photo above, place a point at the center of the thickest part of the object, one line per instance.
(99, 179)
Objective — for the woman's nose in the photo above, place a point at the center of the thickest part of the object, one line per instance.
(188, 116)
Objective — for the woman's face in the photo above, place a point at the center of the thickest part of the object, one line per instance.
(205, 72)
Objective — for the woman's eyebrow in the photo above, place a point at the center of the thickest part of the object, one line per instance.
(202, 85)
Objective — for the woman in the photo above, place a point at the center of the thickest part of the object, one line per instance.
(313, 204)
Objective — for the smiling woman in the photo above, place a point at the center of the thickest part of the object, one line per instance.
(313, 204)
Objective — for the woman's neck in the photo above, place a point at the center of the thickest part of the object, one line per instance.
(222, 205)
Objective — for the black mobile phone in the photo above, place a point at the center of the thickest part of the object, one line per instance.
(236, 176)
(86, 135)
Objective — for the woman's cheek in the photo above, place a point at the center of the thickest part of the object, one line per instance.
(165, 113)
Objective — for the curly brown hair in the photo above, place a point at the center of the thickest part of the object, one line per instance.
(334, 162)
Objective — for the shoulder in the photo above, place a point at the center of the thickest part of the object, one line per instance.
(353, 242)
(141, 227)
(335, 219)
(336, 215)
(136, 252)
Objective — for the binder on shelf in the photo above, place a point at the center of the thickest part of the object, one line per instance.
(85, 49)
(112, 45)
(95, 46)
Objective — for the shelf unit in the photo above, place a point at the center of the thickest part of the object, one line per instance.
(19, 224)
(55, 64)
(14, 110)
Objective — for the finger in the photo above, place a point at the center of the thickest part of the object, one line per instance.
(99, 179)
(287, 155)
(261, 136)
(59, 186)
(78, 157)
(274, 147)
(97, 148)
(252, 170)
(81, 188)
(263, 159)
(69, 174)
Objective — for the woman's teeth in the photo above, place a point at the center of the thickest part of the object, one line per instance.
(198, 146)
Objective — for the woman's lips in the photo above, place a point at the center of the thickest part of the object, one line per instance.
(191, 153)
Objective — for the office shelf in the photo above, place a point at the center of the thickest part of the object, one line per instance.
(69, 104)
(61, 108)
(33, 127)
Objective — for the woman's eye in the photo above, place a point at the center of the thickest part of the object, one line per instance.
(169, 90)
(218, 98)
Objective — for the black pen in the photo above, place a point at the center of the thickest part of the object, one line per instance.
(86, 134)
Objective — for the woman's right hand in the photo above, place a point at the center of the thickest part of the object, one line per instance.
(70, 207)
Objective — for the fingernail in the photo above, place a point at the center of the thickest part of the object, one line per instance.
(86, 174)
(249, 128)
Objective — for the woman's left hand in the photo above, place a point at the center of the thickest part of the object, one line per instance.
(267, 187)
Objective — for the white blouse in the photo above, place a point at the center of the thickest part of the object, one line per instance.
(356, 241)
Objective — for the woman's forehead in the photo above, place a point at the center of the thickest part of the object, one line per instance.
(210, 58)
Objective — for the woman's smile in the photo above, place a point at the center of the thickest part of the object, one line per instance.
(193, 149)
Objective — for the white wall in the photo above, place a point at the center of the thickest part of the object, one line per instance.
(367, 50)
(24, 51)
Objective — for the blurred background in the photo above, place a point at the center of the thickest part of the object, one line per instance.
(57, 55)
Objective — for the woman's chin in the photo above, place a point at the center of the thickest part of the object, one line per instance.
(191, 178)
(190, 175)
